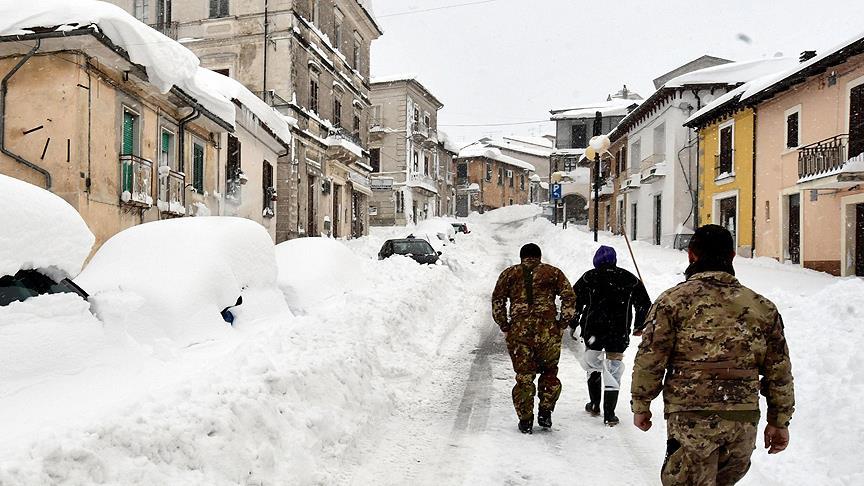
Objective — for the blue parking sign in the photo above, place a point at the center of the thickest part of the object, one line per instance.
(556, 191)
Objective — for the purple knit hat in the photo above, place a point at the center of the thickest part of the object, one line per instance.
(605, 256)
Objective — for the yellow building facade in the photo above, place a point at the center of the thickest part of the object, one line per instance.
(726, 175)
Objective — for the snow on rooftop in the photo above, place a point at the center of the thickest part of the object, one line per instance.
(480, 150)
(732, 73)
(40, 231)
(779, 64)
(167, 62)
(537, 146)
(393, 78)
(613, 107)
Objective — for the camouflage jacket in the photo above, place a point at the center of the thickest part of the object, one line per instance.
(532, 295)
(713, 338)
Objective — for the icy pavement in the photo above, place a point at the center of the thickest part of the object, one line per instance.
(400, 377)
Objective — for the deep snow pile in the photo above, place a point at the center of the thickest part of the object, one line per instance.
(171, 278)
(26, 212)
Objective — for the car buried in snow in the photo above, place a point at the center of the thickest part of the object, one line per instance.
(417, 249)
(460, 228)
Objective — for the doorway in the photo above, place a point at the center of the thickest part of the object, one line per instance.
(859, 240)
(658, 218)
(337, 209)
(794, 228)
(856, 121)
(728, 215)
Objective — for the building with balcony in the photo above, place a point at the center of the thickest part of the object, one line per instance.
(810, 175)
(567, 165)
(85, 122)
(662, 173)
(487, 179)
(408, 170)
(310, 60)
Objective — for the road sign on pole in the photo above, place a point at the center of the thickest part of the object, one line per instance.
(556, 191)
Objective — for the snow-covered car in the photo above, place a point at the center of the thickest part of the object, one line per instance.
(417, 249)
(182, 278)
(437, 229)
(460, 227)
(44, 242)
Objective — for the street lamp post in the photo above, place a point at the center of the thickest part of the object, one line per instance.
(598, 144)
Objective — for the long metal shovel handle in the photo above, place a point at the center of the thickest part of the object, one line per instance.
(632, 257)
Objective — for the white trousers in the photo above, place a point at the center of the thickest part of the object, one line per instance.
(612, 369)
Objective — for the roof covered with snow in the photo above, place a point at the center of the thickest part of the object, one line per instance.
(408, 79)
(732, 73)
(613, 107)
(168, 63)
(536, 146)
(40, 231)
(478, 150)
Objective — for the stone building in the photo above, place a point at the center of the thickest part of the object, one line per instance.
(310, 60)
(487, 179)
(408, 170)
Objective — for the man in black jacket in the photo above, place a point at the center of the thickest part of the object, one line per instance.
(606, 299)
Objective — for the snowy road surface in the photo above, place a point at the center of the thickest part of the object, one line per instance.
(401, 377)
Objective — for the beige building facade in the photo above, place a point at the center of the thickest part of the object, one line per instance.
(83, 121)
(410, 171)
(310, 60)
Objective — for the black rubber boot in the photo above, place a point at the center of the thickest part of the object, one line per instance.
(610, 400)
(526, 426)
(544, 418)
(593, 407)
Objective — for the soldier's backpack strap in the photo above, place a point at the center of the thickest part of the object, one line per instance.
(528, 276)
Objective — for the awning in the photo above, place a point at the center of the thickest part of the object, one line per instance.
(361, 189)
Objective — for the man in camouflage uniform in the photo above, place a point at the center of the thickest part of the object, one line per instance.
(532, 332)
(713, 338)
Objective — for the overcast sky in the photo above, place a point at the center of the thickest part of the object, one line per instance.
(509, 61)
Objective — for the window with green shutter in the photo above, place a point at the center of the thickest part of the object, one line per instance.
(130, 124)
(198, 167)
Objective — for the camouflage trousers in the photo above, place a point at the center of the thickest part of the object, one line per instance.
(533, 355)
(706, 450)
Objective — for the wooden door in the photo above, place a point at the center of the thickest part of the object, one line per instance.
(795, 228)
(729, 215)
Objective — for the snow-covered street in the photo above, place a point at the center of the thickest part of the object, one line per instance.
(397, 376)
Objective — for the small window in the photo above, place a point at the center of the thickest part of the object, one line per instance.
(488, 172)
(198, 167)
(313, 90)
(131, 123)
(416, 162)
(635, 154)
(462, 171)
(427, 164)
(416, 115)
(166, 150)
(142, 10)
(356, 124)
(426, 120)
(726, 155)
(660, 140)
(500, 176)
(376, 116)
(375, 159)
(510, 177)
(579, 133)
(338, 20)
(218, 8)
(337, 110)
(792, 130)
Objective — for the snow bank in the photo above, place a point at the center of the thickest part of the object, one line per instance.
(40, 231)
(510, 214)
(171, 278)
(167, 62)
(306, 270)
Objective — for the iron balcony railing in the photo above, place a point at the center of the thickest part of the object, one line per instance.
(167, 28)
(172, 197)
(419, 129)
(136, 175)
(724, 163)
(346, 135)
(823, 157)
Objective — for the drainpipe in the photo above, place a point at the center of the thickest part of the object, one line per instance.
(266, 44)
(753, 208)
(696, 213)
(181, 129)
(3, 90)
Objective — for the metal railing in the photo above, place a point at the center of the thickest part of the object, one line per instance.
(172, 193)
(346, 135)
(420, 128)
(823, 157)
(724, 163)
(136, 175)
(167, 28)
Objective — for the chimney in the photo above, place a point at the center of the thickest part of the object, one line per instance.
(806, 56)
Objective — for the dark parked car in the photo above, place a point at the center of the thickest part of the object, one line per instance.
(461, 227)
(30, 283)
(418, 249)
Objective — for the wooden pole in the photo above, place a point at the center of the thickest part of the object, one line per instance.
(632, 257)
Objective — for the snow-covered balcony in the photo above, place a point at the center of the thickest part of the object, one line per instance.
(826, 164)
(653, 173)
(136, 175)
(422, 181)
(633, 182)
(651, 161)
(172, 193)
(431, 138)
(419, 132)
(344, 146)
(606, 189)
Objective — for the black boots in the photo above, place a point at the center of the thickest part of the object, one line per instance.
(610, 400)
(526, 426)
(593, 407)
(544, 418)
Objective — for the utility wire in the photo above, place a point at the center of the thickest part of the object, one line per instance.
(414, 12)
(493, 124)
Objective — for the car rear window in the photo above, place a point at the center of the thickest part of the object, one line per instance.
(417, 247)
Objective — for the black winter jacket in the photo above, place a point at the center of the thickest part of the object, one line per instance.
(606, 298)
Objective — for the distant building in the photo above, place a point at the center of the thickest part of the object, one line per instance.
(487, 179)
(408, 173)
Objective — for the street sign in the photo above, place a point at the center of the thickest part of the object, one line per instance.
(556, 191)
